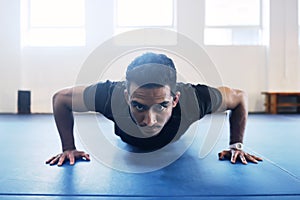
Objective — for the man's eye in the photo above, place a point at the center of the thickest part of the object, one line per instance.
(139, 107)
(159, 107)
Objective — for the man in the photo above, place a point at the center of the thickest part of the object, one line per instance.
(150, 109)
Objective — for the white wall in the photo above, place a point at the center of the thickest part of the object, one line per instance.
(9, 55)
(283, 67)
(45, 70)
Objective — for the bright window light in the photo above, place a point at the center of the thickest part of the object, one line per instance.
(299, 22)
(233, 22)
(145, 13)
(136, 14)
(57, 13)
(232, 12)
(53, 22)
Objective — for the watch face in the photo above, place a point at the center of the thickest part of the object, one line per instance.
(237, 146)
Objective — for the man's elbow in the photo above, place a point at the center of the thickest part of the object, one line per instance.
(62, 98)
(239, 100)
(233, 98)
(243, 96)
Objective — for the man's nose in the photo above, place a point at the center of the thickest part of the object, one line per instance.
(149, 118)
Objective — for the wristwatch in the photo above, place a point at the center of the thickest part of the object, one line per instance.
(236, 146)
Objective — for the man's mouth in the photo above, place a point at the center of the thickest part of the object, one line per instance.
(153, 130)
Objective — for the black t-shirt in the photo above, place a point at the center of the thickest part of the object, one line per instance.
(195, 101)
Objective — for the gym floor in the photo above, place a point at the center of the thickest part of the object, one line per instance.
(27, 141)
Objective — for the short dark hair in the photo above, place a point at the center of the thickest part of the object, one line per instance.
(152, 70)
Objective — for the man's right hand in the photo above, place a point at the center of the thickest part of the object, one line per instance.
(70, 155)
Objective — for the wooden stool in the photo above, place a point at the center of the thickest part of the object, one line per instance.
(272, 101)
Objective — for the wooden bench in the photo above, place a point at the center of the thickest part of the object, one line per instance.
(276, 100)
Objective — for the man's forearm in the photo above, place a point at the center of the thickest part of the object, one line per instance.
(64, 120)
(238, 120)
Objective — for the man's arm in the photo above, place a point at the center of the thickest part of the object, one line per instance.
(64, 103)
(237, 102)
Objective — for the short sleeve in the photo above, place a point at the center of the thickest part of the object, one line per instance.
(97, 97)
(209, 99)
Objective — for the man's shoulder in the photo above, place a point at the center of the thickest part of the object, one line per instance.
(198, 88)
(111, 83)
(107, 85)
(185, 87)
(181, 85)
(102, 95)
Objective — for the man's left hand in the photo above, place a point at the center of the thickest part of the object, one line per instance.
(233, 155)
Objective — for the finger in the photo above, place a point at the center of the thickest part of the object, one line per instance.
(49, 160)
(251, 158)
(72, 159)
(226, 154)
(61, 160)
(257, 158)
(243, 159)
(82, 155)
(86, 156)
(55, 160)
(221, 155)
(234, 155)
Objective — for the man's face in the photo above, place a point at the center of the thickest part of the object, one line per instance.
(151, 108)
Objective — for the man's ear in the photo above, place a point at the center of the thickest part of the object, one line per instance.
(176, 99)
(126, 95)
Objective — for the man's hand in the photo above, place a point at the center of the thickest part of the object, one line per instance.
(233, 155)
(70, 155)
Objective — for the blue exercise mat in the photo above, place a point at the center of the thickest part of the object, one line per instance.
(27, 141)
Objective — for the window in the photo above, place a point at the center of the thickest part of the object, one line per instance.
(131, 14)
(53, 22)
(298, 22)
(233, 22)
